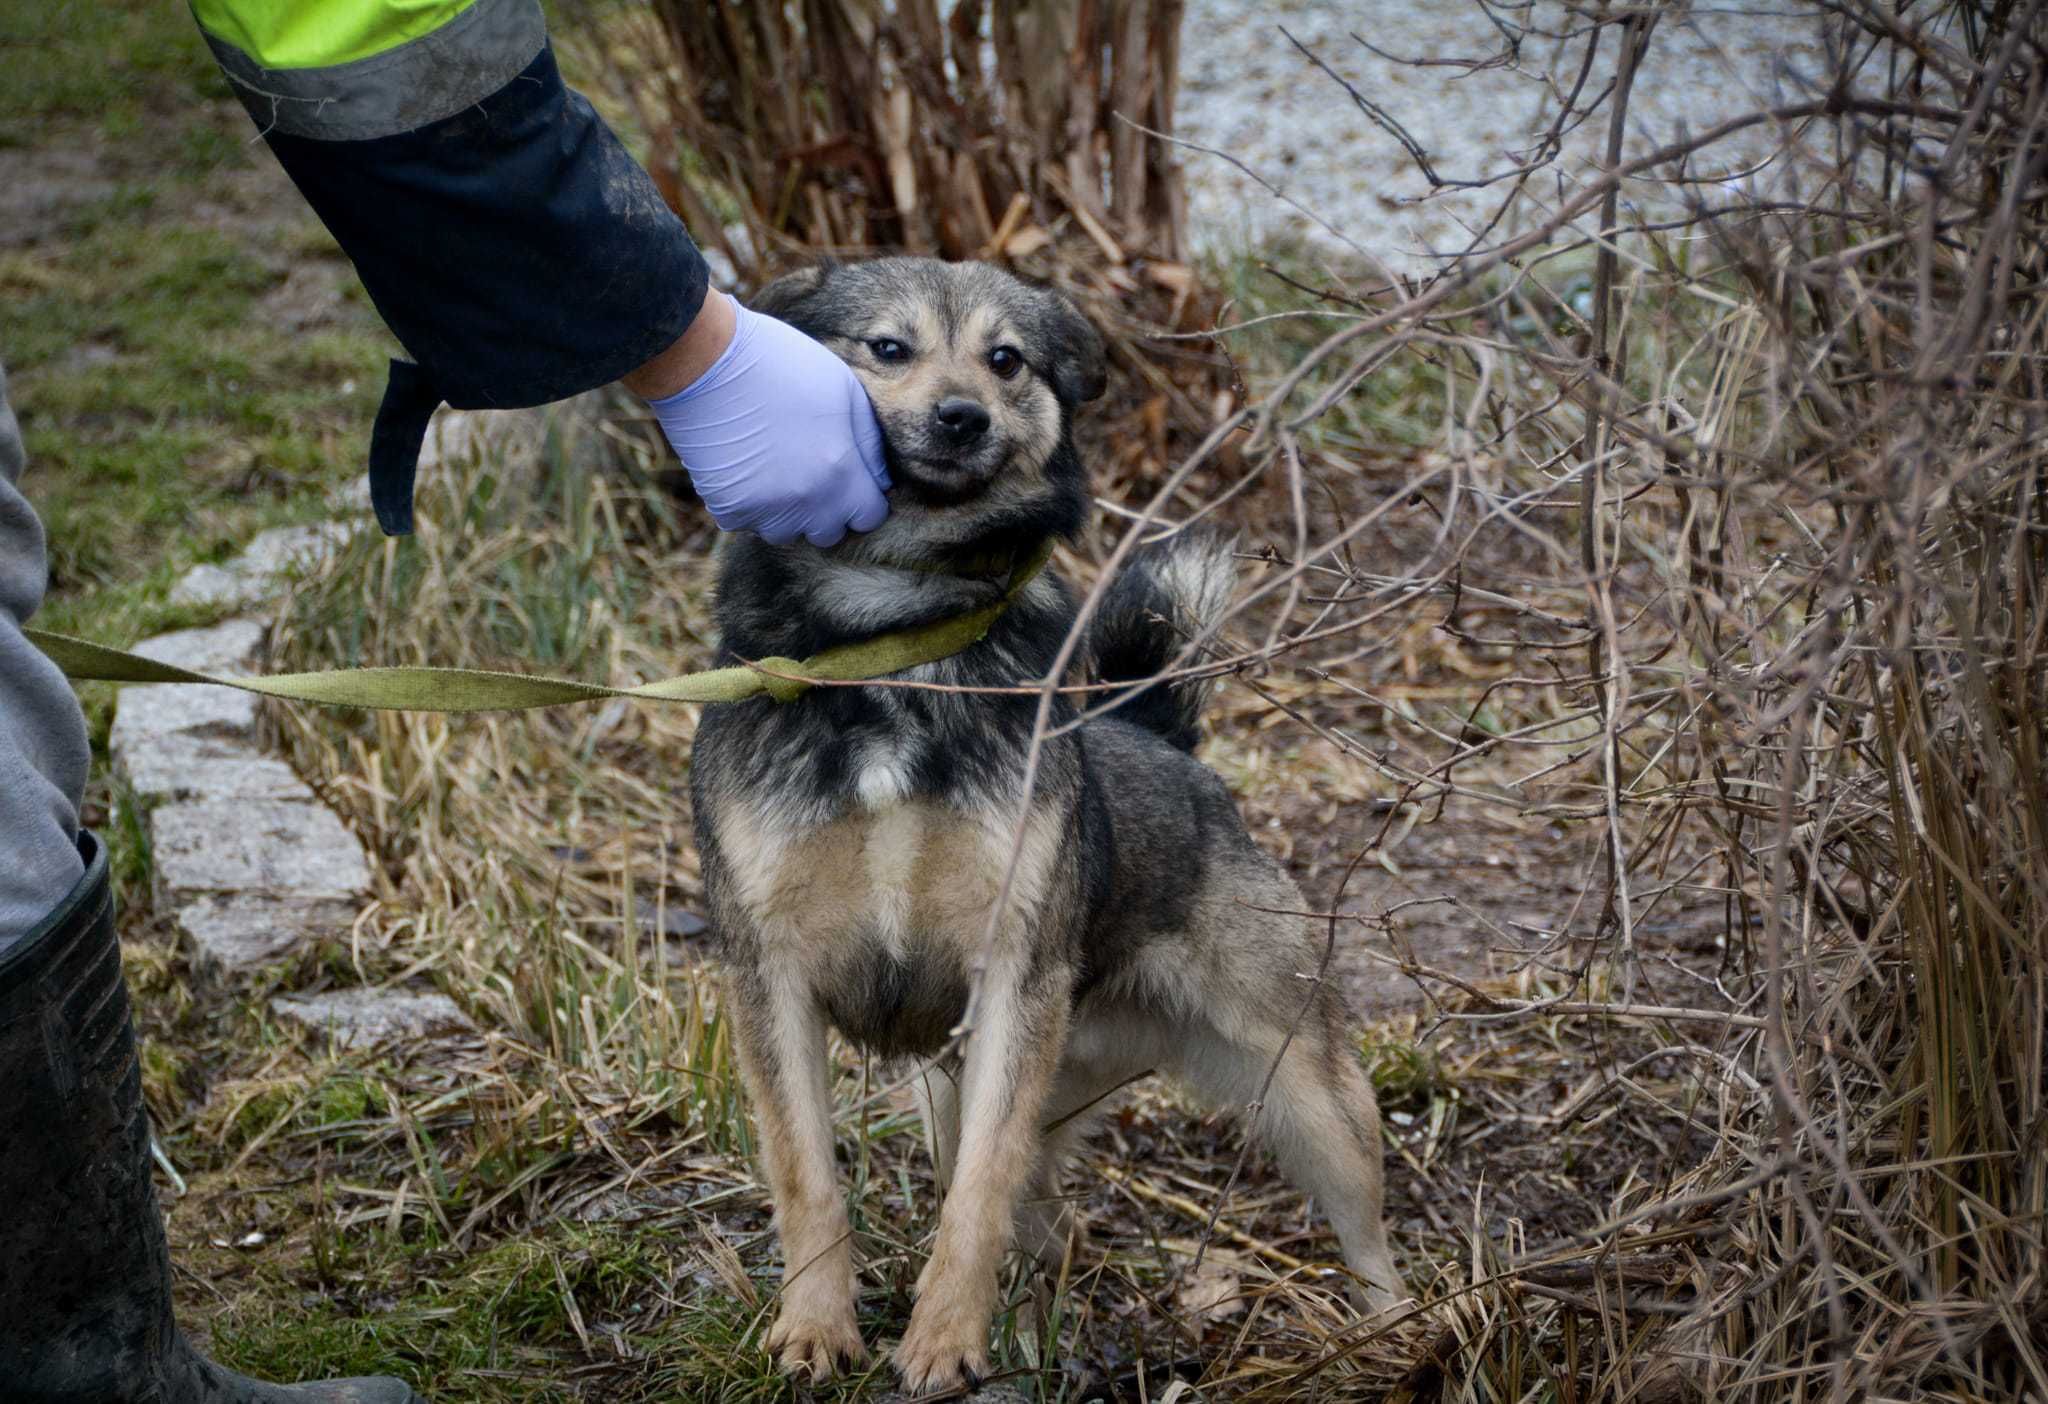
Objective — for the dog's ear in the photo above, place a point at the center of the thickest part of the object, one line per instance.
(1074, 353)
(788, 297)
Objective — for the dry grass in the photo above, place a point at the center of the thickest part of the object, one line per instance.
(539, 872)
(1695, 570)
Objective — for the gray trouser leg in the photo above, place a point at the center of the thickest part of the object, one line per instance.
(43, 746)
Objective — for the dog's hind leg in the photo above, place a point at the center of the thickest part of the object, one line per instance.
(1010, 1060)
(1107, 1049)
(779, 1035)
(1319, 1117)
(1043, 1214)
(937, 1086)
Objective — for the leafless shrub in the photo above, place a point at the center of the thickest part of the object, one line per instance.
(1755, 538)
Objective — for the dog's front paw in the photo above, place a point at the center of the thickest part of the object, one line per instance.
(945, 1347)
(816, 1346)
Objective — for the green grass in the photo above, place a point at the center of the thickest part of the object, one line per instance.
(168, 412)
(492, 1320)
(1397, 408)
(1406, 1077)
(114, 65)
(500, 1326)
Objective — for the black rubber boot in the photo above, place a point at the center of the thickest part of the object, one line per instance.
(85, 1277)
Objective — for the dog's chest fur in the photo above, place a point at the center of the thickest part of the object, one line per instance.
(857, 840)
(883, 908)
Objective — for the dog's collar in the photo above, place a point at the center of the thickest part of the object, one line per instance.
(986, 565)
(992, 567)
(1013, 569)
(878, 657)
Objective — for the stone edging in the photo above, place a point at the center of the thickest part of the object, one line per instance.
(248, 861)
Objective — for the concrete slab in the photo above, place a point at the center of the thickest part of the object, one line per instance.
(150, 713)
(268, 847)
(234, 646)
(188, 766)
(366, 1018)
(263, 564)
(235, 930)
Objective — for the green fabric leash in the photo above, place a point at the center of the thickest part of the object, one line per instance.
(478, 690)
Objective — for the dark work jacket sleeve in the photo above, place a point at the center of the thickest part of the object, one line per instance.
(514, 246)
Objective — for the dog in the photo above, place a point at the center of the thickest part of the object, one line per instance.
(855, 841)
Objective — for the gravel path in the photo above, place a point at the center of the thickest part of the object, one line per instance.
(1246, 90)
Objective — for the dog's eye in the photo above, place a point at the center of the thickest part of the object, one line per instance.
(888, 348)
(1005, 361)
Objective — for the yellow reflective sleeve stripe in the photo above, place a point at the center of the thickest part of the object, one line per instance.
(321, 33)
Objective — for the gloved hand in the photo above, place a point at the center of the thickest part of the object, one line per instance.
(779, 438)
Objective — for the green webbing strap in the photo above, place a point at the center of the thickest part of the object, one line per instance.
(477, 690)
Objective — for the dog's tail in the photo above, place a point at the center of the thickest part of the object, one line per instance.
(1167, 595)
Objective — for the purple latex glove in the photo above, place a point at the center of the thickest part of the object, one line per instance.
(779, 438)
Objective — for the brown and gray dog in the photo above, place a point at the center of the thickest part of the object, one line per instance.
(855, 840)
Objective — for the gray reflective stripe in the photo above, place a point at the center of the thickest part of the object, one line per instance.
(434, 76)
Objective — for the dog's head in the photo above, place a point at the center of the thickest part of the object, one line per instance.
(973, 373)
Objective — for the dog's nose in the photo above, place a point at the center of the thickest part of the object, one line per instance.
(960, 420)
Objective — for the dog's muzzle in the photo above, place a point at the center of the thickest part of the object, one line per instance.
(951, 455)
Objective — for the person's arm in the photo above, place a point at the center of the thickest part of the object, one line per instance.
(520, 254)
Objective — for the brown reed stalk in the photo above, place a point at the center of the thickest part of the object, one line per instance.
(962, 130)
